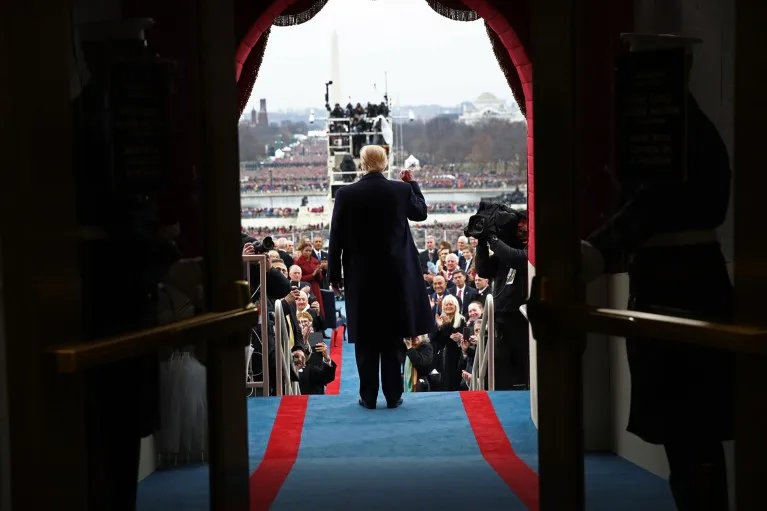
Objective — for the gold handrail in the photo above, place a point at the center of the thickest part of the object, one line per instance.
(74, 357)
(545, 314)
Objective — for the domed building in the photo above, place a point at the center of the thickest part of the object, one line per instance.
(487, 107)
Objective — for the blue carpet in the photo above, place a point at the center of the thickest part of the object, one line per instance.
(421, 456)
(385, 459)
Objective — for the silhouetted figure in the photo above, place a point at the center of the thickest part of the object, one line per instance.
(337, 112)
(681, 395)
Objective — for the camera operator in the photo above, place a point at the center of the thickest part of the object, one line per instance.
(504, 231)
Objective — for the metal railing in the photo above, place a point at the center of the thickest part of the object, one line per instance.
(263, 336)
(484, 358)
(282, 354)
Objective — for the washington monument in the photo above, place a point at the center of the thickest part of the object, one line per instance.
(335, 71)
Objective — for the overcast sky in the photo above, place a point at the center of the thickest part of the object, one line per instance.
(429, 59)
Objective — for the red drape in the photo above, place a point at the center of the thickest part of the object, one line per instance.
(250, 71)
(252, 35)
(507, 66)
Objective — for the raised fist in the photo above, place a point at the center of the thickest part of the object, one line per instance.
(406, 175)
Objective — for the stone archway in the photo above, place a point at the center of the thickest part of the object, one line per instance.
(509, 22)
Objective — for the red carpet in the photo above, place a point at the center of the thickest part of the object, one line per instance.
(281, 452)
(337, 354)
(497, 450)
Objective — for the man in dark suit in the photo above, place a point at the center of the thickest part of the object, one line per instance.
(281, 245)
(387, 302)
(317, 252)
(465, 294)
(439, 291)
(320, 255)
(431, 254)
(483, 288)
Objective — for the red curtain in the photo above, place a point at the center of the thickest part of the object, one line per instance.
(508, 68)
(252, 36)
(250, 71)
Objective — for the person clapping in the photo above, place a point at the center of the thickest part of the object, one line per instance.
(446, 341)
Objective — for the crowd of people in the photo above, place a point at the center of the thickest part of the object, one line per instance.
(268, 212)
(286, 180)
(441, 231)
(457, 292)
(438, 207)
(276, 212)
(296, 277)
(304, 169)
(314, 178)
(292, 233)
(451, 207)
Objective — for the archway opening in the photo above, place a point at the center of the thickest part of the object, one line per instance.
(507, 24)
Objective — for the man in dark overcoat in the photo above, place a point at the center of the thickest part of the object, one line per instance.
(386, 301)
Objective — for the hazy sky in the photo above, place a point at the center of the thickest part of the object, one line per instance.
(430, 59)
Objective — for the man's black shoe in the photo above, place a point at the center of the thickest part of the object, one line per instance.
(363, 404)
(394, 405)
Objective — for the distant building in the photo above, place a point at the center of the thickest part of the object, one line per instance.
(488, 107)
(263, 116)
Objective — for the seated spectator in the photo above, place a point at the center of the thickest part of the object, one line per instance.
(313, 378)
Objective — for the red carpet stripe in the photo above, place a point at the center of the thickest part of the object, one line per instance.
(497, 450)
(281, 452)
(337, 353)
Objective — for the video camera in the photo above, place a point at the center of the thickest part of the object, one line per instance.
(495, 219)
(262, 246)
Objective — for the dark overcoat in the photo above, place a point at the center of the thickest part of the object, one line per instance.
(370, 238)
(677, 389)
